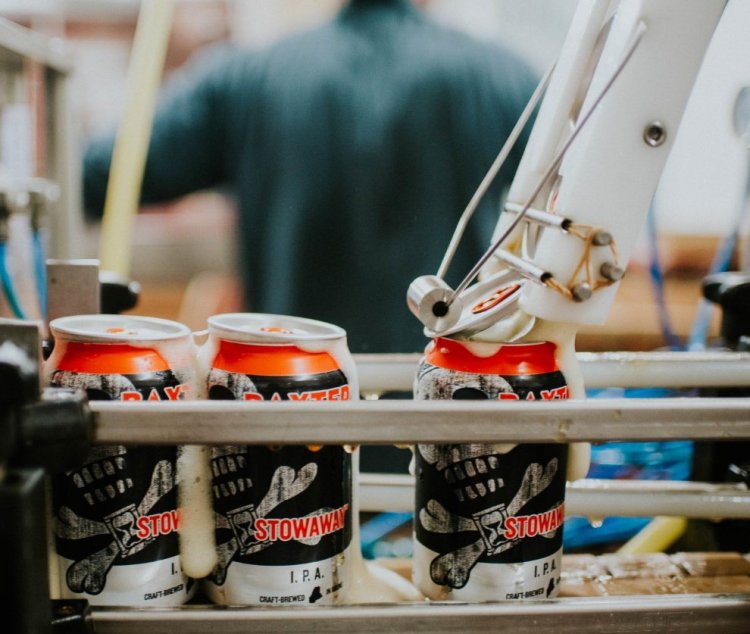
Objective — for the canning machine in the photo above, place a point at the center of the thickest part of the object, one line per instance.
(612, 107)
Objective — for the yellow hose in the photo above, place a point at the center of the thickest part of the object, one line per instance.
(658, 535)
(133, 134)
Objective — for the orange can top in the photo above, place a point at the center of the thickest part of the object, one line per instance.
(109, 358)
(271, 360)
(512, 359)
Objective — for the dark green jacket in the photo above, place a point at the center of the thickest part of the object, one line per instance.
(352, 150)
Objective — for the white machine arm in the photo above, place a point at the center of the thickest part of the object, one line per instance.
(609, 174)
(593, 161)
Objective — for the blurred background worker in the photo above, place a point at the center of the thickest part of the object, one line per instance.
(351, 150)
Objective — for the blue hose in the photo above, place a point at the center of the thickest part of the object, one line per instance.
(7, 283)
(657, 282)
(40, 272)
(377, 528)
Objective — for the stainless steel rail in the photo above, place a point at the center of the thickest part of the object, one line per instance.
(678, 613)
(409, 422)
(665, 369)
(592, 498)
(18, 45)
(395, 372)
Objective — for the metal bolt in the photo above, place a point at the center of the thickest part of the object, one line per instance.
(654, 134)
(581, 292)
(602, 239)
(611, 271)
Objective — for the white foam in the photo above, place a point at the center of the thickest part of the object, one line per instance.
(563, 335)
(117, 329)
(308, 335)
(269, 328)
(509, 330)
(197, 529)
(370, 583)
(314, 337)
(170, 339)
(524, 329)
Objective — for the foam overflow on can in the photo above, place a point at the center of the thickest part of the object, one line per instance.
(283, 514)
(116, 518)
(488, 522)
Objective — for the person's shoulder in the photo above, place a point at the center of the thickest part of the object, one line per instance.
(226, 70)
(307, 43)
(455, 53)
(214, 64)
(216, 56)
(463, 45)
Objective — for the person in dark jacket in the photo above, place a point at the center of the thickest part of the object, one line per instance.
(351, 149)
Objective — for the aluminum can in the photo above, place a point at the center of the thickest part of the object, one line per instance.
(283, 514)
(489, 518)
(116, 518)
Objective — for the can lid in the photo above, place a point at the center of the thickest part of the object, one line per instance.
(266, 328)
(116, 328)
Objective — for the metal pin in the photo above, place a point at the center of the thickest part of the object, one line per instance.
(602, 238)
(543, 218)
(610, 271)
(528, 269)
(581, 292)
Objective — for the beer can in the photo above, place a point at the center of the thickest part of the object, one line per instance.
(489, 518)
(283, 514)
(116, 518)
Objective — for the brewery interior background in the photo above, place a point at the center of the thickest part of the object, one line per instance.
(186, 277)
(700, 193)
